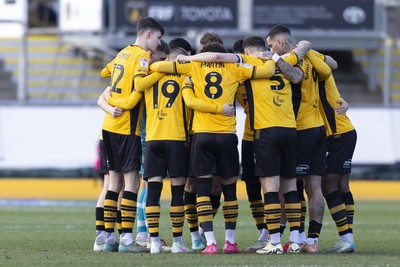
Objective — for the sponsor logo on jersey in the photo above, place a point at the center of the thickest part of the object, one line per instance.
(278, 101)
(162, 115)
(144, 62)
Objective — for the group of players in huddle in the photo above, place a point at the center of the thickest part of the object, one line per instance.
(297, 137)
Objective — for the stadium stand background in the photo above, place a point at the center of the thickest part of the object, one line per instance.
(63, 44)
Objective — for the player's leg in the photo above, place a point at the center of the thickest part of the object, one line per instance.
(142, 235)
(268, 167)
(228, 168)
(344, 183)
(311, 166)
(272, 211)
(178, 170)
(110, 210)
(111, 143)
(103, 172)
(100, 229)
(203, 165)
(288, 188)
(191, 213)
(177, 214)
(254, 196)
(130, 166)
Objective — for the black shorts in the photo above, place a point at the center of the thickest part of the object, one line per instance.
(311, 151)
(340, 149)
(166, 158)
(215, 154)
(275, 152)
(248, 161)
(124, 151)
(104, 164)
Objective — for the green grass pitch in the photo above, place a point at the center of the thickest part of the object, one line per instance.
(64, 236)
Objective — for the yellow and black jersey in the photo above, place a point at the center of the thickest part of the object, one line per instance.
(241, 97)
(165, 109)
(130, 63)
(215, 83)
(334, 123)
(270, 100)
(306, 98)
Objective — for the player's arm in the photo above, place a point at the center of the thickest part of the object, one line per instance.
(343, 107)
(261, 72)
(164, 66)
(126, 102)
(331, 62)
(212, 57)
(324, 71)
(115, 112)
(197, 104)
(292, 73)
(142, 83)
(107, 70)
(293, 57)
(300, 51)
(328, 59)
(174, 67)
(141, 79)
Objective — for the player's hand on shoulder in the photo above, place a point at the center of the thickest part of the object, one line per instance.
(264, 55)
(304, 43)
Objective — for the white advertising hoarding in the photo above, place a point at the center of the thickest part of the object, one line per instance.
(81, 16)
(13, 10)
(67, 137)
(13, 17)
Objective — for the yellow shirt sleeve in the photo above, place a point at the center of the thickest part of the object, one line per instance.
(290, 58)
(324, 71)
(126, 102)
(195, 103)
(148, 81)
(264, 72)
(164, 66)
(107, 70)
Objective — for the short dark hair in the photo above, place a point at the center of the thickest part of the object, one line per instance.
(163, 47)
(255, 41)
(210, 37)
(148, 23)
(180, 42)
(238, 47)
(177, 51)
(213, 47)
(279, 29)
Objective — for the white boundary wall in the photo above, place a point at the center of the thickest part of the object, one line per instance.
(67, 137)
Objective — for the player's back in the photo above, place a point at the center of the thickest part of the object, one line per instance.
(130, 62)
(214, 83)
(306, 98)
(334, 123)
(270, 100)
(165, 109)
